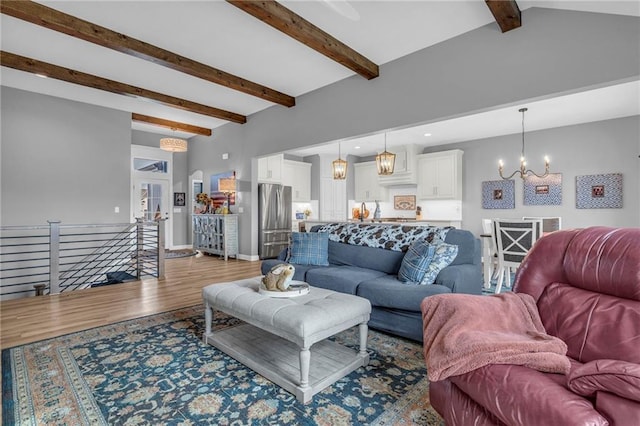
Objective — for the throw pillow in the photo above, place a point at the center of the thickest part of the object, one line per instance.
(443, 257)
(416, 261)
(309, 248)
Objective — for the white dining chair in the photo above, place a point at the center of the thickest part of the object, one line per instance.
(489, 253)
(549, 223)
(514, 239)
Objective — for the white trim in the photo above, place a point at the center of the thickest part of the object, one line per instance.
(154, 154)
(182, 247)
(250, 258)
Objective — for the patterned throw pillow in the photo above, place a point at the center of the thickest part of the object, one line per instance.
(443, 256)
(309, 248)
(416, 261)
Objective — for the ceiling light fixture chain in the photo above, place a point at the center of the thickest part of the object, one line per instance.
(523, 171)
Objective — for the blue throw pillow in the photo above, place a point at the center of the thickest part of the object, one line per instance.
(443, 257)
(416, 261)
(309, 248)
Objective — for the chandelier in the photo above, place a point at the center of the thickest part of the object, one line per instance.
(173, 145)
(339, 167)
(385, 160)
(523, 171)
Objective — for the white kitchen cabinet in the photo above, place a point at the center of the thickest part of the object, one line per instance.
(297, 175)
(405, 168)
(366, 183)
(270, 169)
(333, 200)
(440, 175)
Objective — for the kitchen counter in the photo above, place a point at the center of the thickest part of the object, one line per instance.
(391, 221)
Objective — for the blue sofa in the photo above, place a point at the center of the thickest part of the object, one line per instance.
(372, 273)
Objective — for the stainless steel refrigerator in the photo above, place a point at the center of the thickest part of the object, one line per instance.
(274, 219)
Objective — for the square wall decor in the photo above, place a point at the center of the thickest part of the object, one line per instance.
(599, 191)
(404, 202)
(545, 191)
(498, 194)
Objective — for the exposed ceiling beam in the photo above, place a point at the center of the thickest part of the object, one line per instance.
(34, 66)
(173, 125)
(295, 26)
(55, 20)
(506, 13)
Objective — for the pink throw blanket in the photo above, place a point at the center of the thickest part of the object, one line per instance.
(464, 332)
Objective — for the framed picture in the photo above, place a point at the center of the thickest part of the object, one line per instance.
(498, 194)
(544, 191)
(599, 191)
(404, 202)
(179, 199)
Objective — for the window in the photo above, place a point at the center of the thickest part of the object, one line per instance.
(148, 165)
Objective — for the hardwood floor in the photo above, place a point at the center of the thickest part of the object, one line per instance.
(36, 318)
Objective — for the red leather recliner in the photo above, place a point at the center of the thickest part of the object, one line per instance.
(586, 283)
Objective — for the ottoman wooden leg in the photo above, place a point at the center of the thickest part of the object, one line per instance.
(364, 331)
(208, 321)
(305, 360)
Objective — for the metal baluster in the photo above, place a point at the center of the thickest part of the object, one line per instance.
(54, 256)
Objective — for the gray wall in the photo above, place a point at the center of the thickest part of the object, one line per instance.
(67, 160)
(554, 52)
(181, 235)
(601, 147)
(63, 160)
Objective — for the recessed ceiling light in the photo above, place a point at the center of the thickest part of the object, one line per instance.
(427, 134)
(356, 147)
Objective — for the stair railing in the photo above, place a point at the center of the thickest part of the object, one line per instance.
(72, 257)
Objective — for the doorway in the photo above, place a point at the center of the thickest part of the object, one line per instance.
(196, 186)
(151, 177)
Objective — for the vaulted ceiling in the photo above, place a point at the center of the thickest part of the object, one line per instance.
(196, 65)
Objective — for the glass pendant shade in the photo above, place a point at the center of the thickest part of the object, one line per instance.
(173, 145)
(339, 167)
(385, 161)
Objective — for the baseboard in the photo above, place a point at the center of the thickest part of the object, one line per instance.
(250, 258)
(182, 247)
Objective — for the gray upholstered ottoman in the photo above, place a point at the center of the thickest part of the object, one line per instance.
(277, 340)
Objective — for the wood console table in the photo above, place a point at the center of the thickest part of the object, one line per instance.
(216, 234)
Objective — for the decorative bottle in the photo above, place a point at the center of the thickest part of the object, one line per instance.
(377, 213)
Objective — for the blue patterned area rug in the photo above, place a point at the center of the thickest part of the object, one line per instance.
(156, 371)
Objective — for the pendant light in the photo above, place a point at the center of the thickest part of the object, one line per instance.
(523, 171)
(173, 145)
(339, 167)
(385, 160)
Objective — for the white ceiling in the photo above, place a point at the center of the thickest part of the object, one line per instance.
(220, 35)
